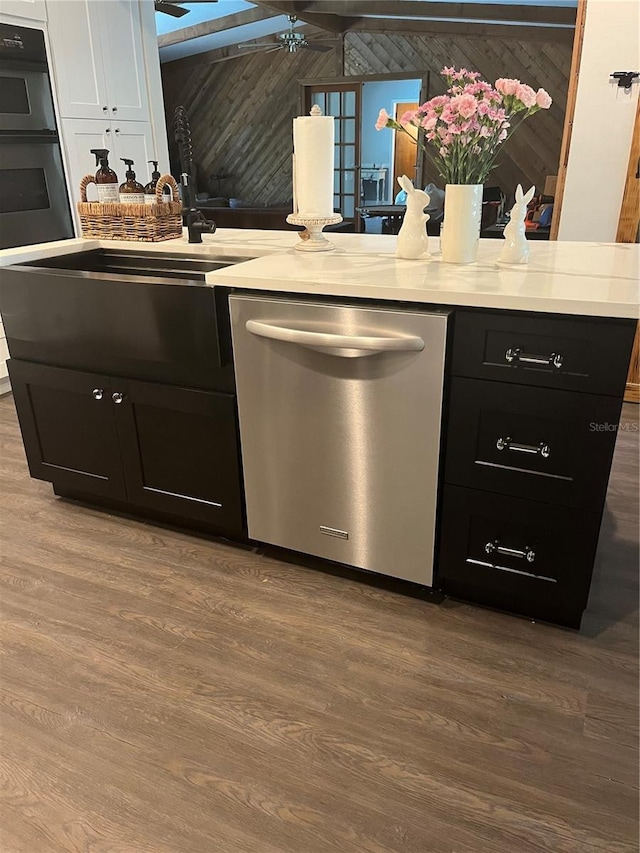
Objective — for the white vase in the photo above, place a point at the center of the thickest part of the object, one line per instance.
(460, 233)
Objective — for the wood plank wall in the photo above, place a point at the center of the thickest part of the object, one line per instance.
(241, 109)
(534, 151)
(241, 112)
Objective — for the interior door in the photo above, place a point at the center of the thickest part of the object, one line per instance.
(68, 428)
(405, 152)
(342, 100)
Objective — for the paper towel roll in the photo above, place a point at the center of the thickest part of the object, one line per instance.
(313, 165)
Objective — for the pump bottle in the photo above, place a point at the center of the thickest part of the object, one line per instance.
(131, 191)
(106, 178)
(150, 188)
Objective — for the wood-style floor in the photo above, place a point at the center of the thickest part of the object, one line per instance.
(169, 694)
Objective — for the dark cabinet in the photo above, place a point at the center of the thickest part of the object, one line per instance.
(536, 443)
(180, 452)
(576, 354)
(527, 557)
(68, 428)
(533, 413)
(172, 450)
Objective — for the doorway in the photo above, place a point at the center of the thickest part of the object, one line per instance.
(364, 157)
(342, 101)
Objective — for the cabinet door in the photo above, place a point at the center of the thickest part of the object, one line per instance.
(124, 69)
(180, 452)
(570, 353)
(68, 428)
(133, 140)
(76, 50)
(524, 556)
(537, 443)
(32, 10)
(79, 137)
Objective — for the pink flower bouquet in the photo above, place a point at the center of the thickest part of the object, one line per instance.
(468, 125)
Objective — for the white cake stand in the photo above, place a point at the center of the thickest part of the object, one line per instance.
(312, 239)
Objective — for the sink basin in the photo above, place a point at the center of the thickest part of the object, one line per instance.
(181, 268)
(126, 313)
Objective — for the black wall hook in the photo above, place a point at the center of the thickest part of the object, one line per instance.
(625, 78)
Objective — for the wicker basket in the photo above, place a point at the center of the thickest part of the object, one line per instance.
(147, 222)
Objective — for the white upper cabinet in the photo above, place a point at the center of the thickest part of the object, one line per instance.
(98, 59)
(131, 139)
(122, 53)
(31, 10)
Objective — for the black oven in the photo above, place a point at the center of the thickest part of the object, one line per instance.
(34, 204)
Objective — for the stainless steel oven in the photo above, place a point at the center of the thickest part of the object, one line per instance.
(25, 91)
(34, 204)
(34, 207)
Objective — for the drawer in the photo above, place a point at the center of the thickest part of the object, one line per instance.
(576, 355)
(517, 555)
(536, 443)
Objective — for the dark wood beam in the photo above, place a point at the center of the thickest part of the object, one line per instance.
(217, 25)
(210, 57)
(435, 10)
(333, 23)
(470, 29)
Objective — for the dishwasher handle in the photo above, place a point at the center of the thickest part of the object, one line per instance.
(345, 346)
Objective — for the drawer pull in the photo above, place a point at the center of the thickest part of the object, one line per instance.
(508, 444)
(495, 547)
(516, 354)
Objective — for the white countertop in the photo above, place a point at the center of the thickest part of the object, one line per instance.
(591, 279)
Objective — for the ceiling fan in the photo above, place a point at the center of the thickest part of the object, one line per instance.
(175, 8)
(291, 41)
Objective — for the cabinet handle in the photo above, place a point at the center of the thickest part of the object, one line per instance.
(107, 130)
(508, 444)
(97, 393)
(105, 109)
(114, 109)
(117, 397)
(117, 130)
(516, 354)
(495, 547)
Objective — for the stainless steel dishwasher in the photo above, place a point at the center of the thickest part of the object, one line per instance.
(340, 410)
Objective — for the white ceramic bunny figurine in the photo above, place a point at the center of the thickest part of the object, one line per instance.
(413, 241)
(516, 248)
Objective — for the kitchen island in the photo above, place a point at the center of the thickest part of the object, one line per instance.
(533, 370)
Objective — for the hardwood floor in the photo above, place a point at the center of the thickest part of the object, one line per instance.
(169, 694)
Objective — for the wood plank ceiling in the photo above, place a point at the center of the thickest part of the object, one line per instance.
(241, 109)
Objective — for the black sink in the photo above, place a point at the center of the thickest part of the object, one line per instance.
(157, 265)
(122, 313)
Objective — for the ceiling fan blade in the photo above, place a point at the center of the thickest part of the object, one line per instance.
(320, 48)
(170, 8)
(262, 45)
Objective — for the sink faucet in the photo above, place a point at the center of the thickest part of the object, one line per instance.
(196, 222)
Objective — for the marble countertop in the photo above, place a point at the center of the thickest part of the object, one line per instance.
(590, 279)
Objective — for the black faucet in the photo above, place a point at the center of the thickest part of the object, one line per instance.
(196, 222)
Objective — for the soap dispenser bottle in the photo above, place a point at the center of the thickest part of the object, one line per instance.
(150, 188)
(106, 178)
(131, 191)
